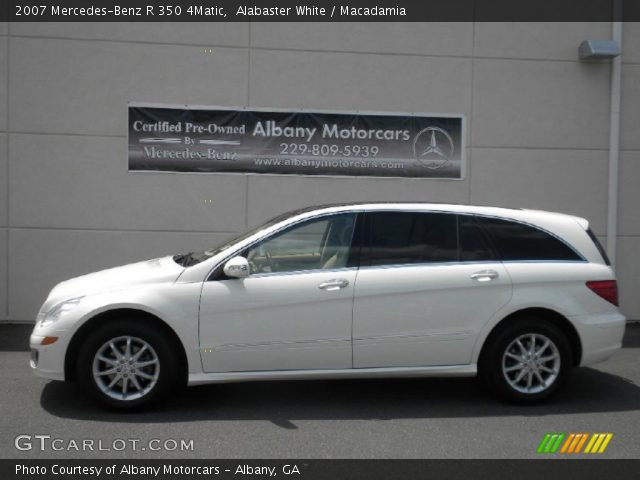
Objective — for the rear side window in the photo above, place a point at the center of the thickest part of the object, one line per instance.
(396, 238)
(516, 241)
(474, 244)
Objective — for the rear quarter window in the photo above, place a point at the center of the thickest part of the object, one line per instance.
(516, 241)
(598, 245)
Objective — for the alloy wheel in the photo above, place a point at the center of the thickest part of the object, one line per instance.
(126, 368)
(531, 363)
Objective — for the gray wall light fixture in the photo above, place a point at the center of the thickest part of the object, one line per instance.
(598, 49)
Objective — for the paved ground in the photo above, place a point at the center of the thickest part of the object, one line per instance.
(340, 419)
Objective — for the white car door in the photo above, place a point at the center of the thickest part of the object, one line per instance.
(294, 310)
(428, 284)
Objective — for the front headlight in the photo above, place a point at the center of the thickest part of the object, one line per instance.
(56, 312)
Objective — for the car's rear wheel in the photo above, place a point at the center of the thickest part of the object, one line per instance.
(527, 361)
(127, 365)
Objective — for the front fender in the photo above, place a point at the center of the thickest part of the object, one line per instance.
(174, 304)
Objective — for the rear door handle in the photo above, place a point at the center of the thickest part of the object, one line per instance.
(335, 284)
(484, 275)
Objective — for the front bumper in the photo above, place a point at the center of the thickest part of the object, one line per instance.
(47, 361)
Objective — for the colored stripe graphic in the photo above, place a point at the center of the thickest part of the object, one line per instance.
(598, 443)
(604, 445)
(565, 447)
(550, 443)
(591, 442)
(581, 442)
(556, 445)
(543, 443)
(573, 443)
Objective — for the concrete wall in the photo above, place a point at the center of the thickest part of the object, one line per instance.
(537, 131)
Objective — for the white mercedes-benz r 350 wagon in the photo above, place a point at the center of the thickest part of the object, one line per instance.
(519, 297)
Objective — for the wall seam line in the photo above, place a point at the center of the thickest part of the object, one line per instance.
(8, 180)
(135, 42)
(470, 145)
(66, 134)
(307, 50)
(246, 178)
(123, 230)
(249, 66)
(469, 154)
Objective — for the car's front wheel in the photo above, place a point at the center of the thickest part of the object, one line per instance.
(527, 361)
(127, 365)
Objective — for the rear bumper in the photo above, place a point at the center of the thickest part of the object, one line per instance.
(600, 335)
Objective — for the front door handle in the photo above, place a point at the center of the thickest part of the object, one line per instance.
(484, 275)
(335, 284)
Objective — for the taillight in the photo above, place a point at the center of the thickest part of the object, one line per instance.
(607, 289)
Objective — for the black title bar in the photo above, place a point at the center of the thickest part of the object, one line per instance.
(320, 10)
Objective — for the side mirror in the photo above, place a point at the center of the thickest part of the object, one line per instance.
(237, 267)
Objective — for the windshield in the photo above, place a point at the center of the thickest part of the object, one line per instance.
(193, 258)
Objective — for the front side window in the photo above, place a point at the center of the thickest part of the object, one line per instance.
(194, 258)
(397, 238)
(516, 242)
(320, 244)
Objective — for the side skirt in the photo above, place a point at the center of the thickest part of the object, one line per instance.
(385, 372)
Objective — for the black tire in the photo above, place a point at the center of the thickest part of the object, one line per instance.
(495, 361)
(159, 348)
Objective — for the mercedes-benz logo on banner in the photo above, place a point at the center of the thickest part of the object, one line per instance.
(433, 147)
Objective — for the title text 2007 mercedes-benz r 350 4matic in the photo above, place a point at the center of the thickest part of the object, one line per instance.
(519, 297)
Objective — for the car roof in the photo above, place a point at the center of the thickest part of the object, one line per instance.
(386, 205)
(538, 217)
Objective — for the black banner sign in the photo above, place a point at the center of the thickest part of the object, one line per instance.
(295, 142)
